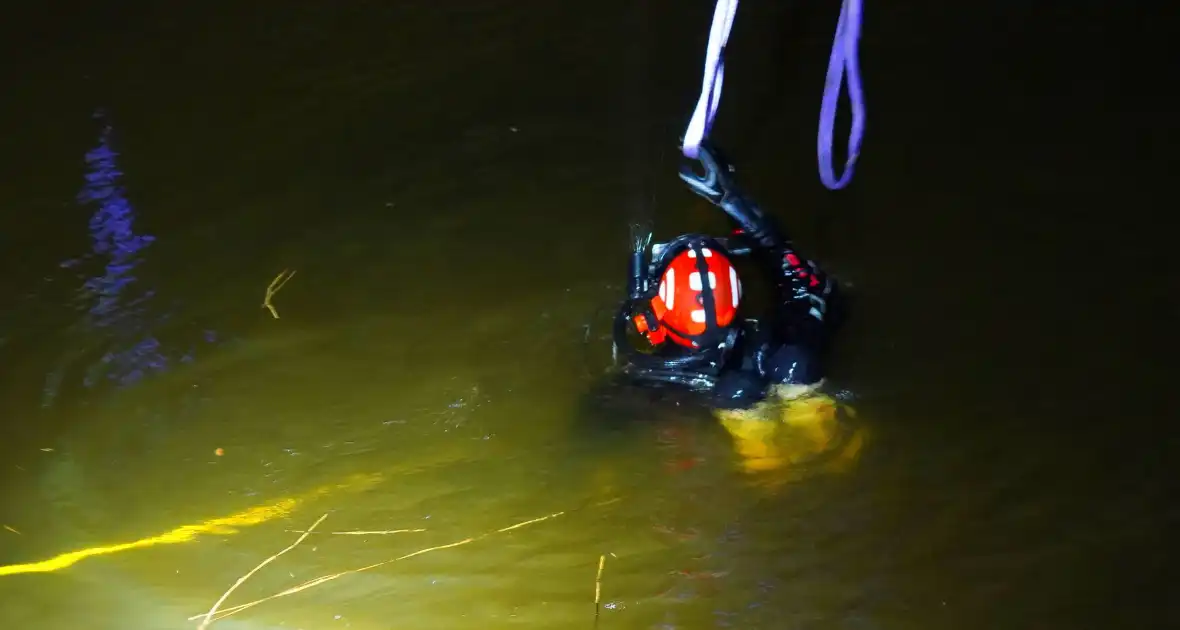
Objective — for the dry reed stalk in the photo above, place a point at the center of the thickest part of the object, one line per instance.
(273, 288)
(221, 614)
(208, 617)
(378, 532)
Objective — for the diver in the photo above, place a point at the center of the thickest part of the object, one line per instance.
(685, 303)
(699, 339)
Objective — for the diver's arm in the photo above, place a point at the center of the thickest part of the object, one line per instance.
(800, 281)
(718, 186)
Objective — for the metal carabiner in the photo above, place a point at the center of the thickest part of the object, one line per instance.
(715, 184)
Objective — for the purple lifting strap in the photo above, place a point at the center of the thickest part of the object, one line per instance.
(843, 58)
(702, 117)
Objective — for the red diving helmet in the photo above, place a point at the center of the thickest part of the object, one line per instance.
(699, 295)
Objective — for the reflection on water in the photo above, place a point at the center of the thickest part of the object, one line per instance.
(112, 233)
(116, 309)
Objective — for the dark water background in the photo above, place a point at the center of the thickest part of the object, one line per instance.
(453, 182)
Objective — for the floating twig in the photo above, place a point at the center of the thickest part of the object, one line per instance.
(273, 288)
(212, 611)
(12, 529)
(221, 614)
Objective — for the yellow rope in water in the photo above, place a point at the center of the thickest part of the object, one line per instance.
(185, 533)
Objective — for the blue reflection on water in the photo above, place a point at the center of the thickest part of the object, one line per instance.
(135, 354)
(111, 232)
(116, 310)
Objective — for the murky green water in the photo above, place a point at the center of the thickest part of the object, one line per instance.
(452, 184)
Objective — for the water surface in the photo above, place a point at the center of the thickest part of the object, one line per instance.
(452, 183)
